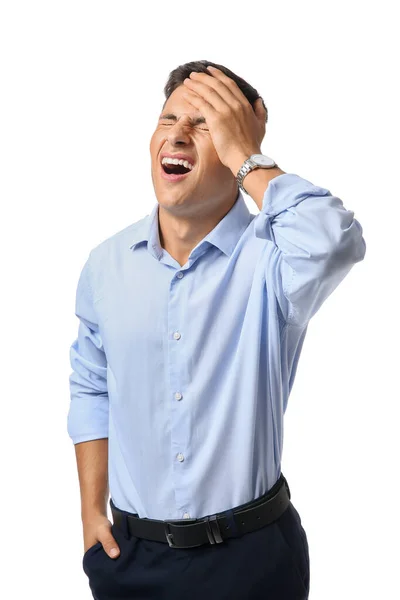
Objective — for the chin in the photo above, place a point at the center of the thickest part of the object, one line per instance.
(170, 197)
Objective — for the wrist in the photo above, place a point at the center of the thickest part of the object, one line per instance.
(94, 508)
(256, 182)
(239, 158)
(90, 516)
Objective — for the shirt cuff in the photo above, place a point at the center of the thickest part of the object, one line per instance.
(88, 437)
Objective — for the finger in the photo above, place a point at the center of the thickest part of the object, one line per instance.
(205, 109)
(209, 94)
(259, 110)
(229, 83)
(110, 545)
(220, 87)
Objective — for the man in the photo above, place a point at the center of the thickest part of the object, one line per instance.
(191, 326)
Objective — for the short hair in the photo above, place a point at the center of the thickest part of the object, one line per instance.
(178, 75)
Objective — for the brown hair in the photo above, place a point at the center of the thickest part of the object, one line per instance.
(177, 76)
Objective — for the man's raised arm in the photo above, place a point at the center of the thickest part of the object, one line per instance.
(316, 241)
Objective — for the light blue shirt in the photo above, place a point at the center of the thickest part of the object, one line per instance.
(188, 370)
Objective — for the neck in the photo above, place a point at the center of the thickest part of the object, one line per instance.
(179, 235)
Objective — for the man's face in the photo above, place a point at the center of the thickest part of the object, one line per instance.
(181, 129)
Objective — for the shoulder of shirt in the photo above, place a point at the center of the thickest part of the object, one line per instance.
(119, 240)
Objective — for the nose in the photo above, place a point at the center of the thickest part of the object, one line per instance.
(178, 134)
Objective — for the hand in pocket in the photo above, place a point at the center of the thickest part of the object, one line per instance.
(98, 531)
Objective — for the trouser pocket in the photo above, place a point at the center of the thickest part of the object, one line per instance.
(90, 550)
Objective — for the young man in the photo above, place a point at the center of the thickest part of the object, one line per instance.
(191, 326)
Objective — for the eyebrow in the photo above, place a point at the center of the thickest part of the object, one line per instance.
(173, 117)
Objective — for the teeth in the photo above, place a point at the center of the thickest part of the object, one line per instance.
(175, 161)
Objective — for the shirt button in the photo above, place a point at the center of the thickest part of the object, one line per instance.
(178, 396)
(177, 335)
(179, 275)
(180, 457)
(186, 516)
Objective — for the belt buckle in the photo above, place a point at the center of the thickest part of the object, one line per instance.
(212, 529)
(170, 536)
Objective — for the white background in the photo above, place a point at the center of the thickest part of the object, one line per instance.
(81, 92)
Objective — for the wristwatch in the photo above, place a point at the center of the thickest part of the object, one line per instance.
(256, 161)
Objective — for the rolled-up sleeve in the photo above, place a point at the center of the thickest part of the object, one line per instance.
(315, 243)
(88, 410)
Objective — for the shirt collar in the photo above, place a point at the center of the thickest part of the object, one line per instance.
(224, 236)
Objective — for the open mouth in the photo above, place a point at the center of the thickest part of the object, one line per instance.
(175, 169)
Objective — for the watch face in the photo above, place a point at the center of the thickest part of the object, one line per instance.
(262, 160)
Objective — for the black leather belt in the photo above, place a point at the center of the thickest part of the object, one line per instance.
(214, 529)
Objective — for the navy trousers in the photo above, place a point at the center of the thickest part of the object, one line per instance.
(271, 563)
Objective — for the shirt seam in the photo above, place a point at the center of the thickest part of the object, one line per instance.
(93, 303)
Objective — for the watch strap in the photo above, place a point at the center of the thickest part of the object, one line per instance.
(247, 166)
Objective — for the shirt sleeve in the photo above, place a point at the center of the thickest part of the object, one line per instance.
(88, 410)
(316, 241)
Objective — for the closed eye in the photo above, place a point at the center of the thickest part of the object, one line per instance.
(171, 124)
